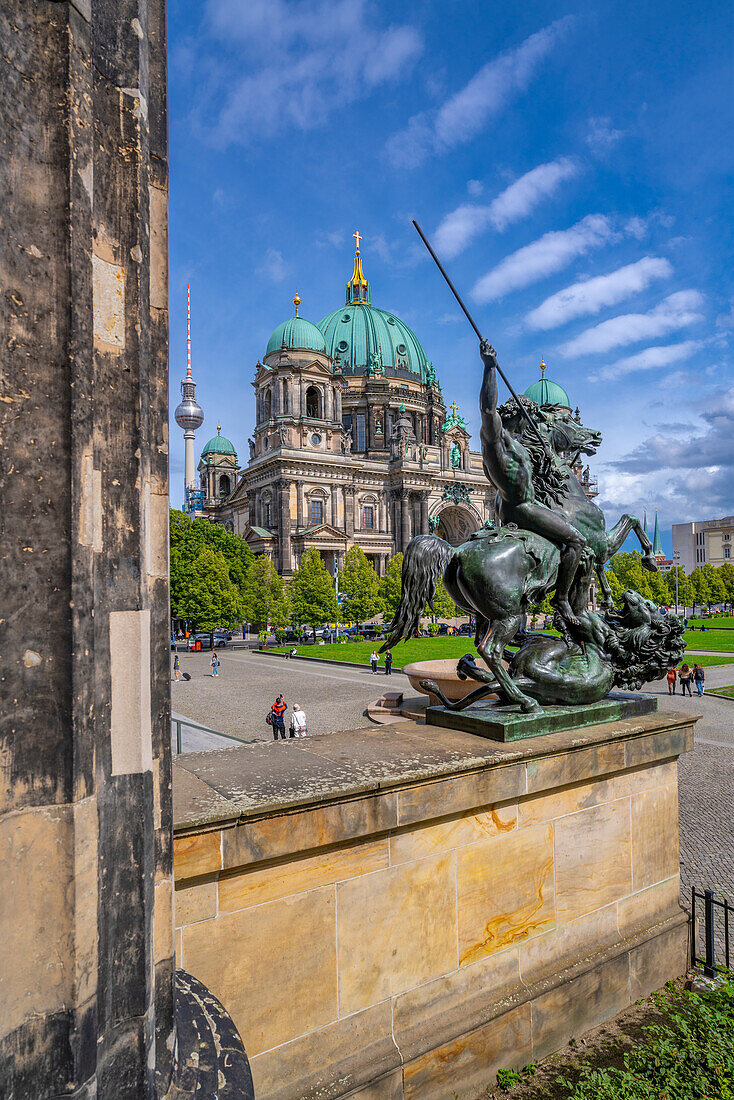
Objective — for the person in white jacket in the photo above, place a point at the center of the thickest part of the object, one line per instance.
(298, 722)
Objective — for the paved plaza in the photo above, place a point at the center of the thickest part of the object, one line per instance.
(335, 698)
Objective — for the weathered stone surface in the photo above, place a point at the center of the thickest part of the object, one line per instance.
(578, 1005)
(427, 840)
(551, 772)
(387, 1088)
(463, 792)
(656, 903)
(274, 967)
(467, 1065)
(568, 943)
(645, 777)
(330, 823)
(567, 800)
(331, 1061)
(259, 884)
(195, 901)
(654, 836)
(433, 1014)
(396, 929)
(505, 891)
(660, 746)
(659, 959)
(197, 854)
(593, 859)
(195, 803)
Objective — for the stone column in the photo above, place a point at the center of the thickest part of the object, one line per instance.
(338, 396)
(85, 809)
(423, 498)
(349, 493)
(303, 386)
(299, 504)
(284, 524)
(405, 534)
(334, 506)
(328, 403)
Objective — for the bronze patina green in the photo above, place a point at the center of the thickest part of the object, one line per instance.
(551, 540)
(503, 723)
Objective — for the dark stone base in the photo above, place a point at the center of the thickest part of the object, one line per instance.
(210, 1060)
(508, 723)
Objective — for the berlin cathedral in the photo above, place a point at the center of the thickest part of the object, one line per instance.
(352, 444)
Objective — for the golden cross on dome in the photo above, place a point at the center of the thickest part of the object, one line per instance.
(542, 367)
(358, 238)
(454, 408)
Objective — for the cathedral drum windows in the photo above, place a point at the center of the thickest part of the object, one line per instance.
(313, 403)
(316, 512)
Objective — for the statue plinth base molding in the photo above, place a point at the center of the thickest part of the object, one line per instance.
(508, 723)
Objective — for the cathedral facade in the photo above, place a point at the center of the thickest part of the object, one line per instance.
(352, 444)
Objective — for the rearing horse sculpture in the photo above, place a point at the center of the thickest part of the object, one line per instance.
(552, 539)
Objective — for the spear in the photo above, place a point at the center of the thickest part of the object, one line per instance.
(472, 322)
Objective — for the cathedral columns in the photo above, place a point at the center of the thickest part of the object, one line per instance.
(338, 398)
(334, 507)
(382, 513)
(302, 391)
(404, 519)
(299, 504)
(349, 491)
(284, 525)
(423, 498)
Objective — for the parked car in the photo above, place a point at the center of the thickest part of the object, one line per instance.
(466, 630)
(226, 634)
(443, 629)
(206, 641)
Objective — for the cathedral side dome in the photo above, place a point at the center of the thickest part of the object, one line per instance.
(546, 392)
(218, 445)
(366, 338)
(296, 332)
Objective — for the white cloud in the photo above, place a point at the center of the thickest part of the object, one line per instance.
(465, 223)
(601, 135)
(649, 359)
(475, 188)
(488, 92)
(302, 62)
(273, 266)
(550, 253)
(591, 295)
(674, 312)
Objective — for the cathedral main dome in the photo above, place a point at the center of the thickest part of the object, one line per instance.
(371, 340)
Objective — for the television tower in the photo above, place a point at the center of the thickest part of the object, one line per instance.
(189, 414)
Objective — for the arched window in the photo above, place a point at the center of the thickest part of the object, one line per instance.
(224, 489)
(284, 397)
(313, 403)
(266, 405)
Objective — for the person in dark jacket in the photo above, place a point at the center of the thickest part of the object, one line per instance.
(698, 678)
(278, 710)
(388, 662)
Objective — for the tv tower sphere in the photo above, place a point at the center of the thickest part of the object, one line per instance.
(189, 414)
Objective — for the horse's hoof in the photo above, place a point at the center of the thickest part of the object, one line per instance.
(529, 707)
(649, 563)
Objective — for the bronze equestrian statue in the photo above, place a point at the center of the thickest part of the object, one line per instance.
(551, 539)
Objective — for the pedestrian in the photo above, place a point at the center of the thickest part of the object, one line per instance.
(277, 712)
(684, 675)
(215, 663)
(373, 661)
(298, 726)
(671, 678)
(699, 676)
(388, 662)
(176, 668)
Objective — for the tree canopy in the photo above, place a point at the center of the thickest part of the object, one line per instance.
(265, 595)
(311, 592)
(390, 587)
(209, 568)
(358, 582)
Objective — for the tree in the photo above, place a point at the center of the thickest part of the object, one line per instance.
(616, 586)
(699, 587)
(685, 591)
(630, 573)
(311, 592)
(358, 581)
(265, 599)
(187, 539)
(210, 599)
(726, 573)
(716, 587)
(391, 587)
(659, 589)
(442, 606)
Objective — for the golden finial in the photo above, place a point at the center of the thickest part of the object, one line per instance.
(542, 368)
(454, 408)
(219, 428)
(296, 302)
(358, 238)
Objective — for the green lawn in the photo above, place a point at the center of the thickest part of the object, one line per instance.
(423, 649)
(714, 621)
(710, 639)
(724, 691)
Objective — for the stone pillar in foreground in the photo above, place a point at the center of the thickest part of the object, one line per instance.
(87, 966)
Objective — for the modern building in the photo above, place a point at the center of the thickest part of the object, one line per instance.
(704, 542)
(352, 443)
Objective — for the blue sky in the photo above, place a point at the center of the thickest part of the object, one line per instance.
(572, 163)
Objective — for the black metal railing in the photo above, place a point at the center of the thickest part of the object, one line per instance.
(711, 905)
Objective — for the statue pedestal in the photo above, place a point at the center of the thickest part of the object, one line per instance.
(507, 723)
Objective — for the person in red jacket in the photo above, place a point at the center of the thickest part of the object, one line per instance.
(671, 678)
(278, 712)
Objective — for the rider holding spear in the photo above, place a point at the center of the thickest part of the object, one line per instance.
(512, 460)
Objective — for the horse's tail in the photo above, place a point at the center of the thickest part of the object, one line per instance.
(425, 560)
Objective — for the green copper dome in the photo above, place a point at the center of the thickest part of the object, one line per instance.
(296, 332)
(370, 339)
(545, 392)
(218, 445)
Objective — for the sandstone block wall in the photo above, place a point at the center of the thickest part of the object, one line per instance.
(411, 942)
